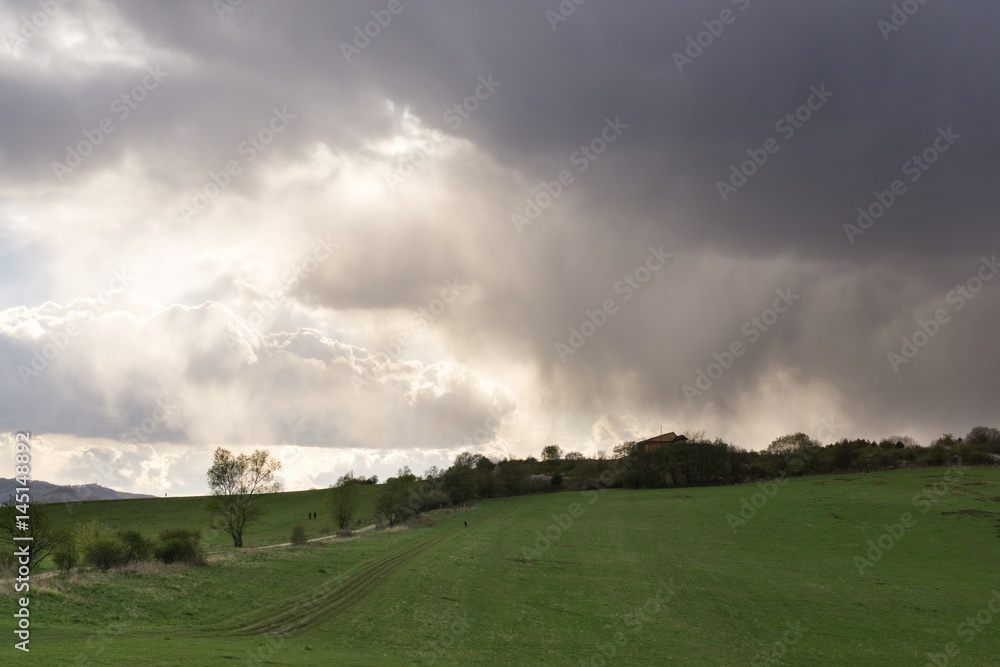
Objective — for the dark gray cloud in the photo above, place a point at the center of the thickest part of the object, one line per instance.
(555, 92)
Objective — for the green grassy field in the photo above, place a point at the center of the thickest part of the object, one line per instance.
(616, 577)
(282, 510)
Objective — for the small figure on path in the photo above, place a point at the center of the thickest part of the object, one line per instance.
(466, 524)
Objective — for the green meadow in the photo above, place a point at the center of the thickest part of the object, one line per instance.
(283, 510)
(824, 570)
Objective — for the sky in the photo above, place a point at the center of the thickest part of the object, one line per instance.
(369, 235)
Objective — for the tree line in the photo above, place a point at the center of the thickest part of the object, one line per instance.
(634, 465)
(236, 482)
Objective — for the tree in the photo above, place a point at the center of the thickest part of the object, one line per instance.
(626, 449)
(946, 441)
(790, 444)
(392, 502)
(459, 483)
(343, 500)
(551, 453)
(797, 449)
(47, 532)
(467, 460)
(894, 441)
(235, 482)
(984, 438)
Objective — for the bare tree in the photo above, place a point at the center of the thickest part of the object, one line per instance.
(47, 532)
(236, 481)
(343, 500)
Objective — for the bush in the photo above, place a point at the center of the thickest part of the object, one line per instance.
(434, 500)
(66, 556)
(299, 535)
(180, 545)
(137, 547)
(105, 553)
(102, 547)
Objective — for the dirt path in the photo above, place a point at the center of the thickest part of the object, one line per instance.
(315, 539)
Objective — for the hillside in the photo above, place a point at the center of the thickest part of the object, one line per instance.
(46, 492)
(615, 577)
(281, 511)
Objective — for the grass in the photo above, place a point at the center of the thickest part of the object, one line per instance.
(616, 577)
(281, 511)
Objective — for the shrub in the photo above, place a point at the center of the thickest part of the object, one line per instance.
(102, 547)
(434, 500)
(180, 545)
(299, 535)
(105, 553)
(66, 556)
(137, 547)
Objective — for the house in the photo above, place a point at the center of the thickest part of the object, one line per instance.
(658, 441)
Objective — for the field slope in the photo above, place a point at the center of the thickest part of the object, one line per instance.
(616, 577)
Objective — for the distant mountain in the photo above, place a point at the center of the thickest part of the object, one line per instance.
(44, 492)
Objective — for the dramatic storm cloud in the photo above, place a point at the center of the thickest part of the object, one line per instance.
(376, 235)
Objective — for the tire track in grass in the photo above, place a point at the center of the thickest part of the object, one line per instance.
(303, 602)
(307, 611)
(352, 591)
